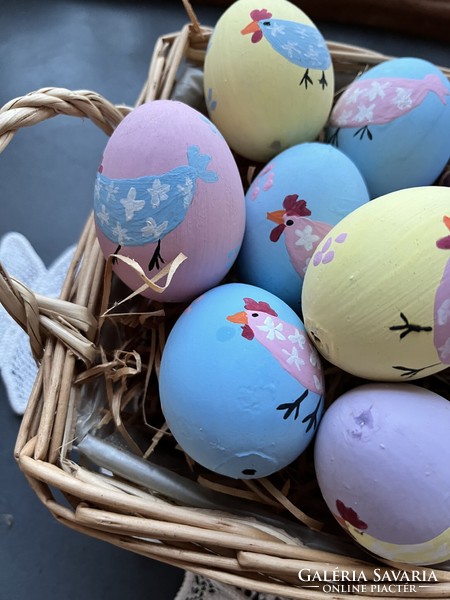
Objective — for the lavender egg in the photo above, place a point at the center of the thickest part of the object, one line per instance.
(382, 456)
(168, 184)
(245, 398)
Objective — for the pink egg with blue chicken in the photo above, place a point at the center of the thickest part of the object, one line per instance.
(382, 456)
(393, 122)
(291, 205)
(241, 386)
(168, 184)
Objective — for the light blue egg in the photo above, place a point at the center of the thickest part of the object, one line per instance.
(328, 186)
(240, 384)
(394, 123)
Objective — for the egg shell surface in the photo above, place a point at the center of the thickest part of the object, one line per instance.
(290, 206)
(168, 183)
(240, 384)
(268, 78)
(393, 122)
(381, 456)
(376, 294)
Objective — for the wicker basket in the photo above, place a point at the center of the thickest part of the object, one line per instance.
(96, 366)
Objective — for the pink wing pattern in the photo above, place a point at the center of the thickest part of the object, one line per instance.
(291, 348)
(379, 101)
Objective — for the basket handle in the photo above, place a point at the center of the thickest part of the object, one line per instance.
(46, 103)
(73, 324)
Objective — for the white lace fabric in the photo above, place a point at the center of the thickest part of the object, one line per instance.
(17, 365)
(197, 587)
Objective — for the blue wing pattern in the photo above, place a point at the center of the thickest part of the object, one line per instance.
(133, 212)
(301, 44)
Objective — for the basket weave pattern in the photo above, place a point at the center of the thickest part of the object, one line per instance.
(71, 338)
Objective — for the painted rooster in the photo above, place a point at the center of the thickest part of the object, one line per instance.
(301, 235)
(300, 44)
(289, 346)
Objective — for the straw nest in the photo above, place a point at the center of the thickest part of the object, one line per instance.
(99, 353)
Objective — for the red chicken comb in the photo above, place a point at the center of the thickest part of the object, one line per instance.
(251, 304)
(259, 15)
(295, 207)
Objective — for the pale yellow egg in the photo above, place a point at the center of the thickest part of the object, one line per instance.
(376, 295)
(268, 78)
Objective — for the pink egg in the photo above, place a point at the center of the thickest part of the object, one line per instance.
(168, 183)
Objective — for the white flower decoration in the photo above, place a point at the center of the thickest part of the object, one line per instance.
(130, 204)
(277, 29)
(306, 237)
(403, 98)
(444, 351)
(314, 358)
(152, 229)
(318, 384)
(120, 233)
(158, 192)
(293, 358)
(352, 96)
(103, 215)
(365, 113)
(443, 312)
(97, 189)
(376, 90)
(291, 48)
(111, 191)
(187, 191)
(273, 331)
(297, 338)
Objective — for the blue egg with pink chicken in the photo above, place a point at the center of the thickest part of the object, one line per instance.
(241, 385)
(393, 122)
(291, 205)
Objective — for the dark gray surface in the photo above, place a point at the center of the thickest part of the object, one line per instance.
(46, 182)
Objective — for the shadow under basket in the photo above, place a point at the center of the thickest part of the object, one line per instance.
(95, 407)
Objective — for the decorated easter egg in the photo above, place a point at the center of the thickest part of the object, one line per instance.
(168, 184)
(376, 294)
(393, 122)
(268, 77)
(381, 456)
(291, 205)
(240, 384)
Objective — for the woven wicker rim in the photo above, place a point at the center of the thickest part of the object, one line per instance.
(64, 336)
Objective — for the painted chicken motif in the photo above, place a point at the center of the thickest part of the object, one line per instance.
(133, 212)
(301, 234)
(290, 347)
(300, 44)
(442, 305)
(380, 101)
(441, 329)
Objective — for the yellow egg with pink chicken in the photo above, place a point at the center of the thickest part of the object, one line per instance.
(376, 294)
(268, 78)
